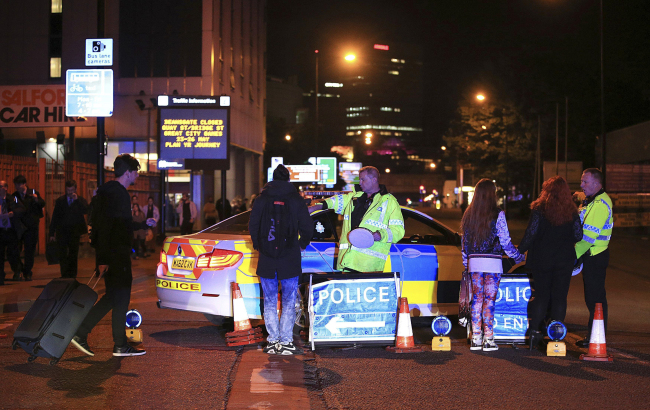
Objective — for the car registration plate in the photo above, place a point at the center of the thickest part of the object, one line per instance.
(182, 263)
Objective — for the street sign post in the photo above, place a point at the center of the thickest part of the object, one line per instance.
(353, 310)
(89, 93)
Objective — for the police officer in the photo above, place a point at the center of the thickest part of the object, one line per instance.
(598, 221)
(32, 204)
(372, 208)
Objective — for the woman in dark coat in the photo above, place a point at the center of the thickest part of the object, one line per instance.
(552, 232)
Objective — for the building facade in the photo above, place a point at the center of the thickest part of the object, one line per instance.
(161, 47)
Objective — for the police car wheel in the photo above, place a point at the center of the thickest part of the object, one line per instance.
(302, 320)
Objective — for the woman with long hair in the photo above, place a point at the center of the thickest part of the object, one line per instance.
(485, 238)
(140, 235)
(553, 230)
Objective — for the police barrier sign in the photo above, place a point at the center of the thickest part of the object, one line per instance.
(511, 308)
(354, 310)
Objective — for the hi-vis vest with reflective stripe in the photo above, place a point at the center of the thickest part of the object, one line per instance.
(598, 221)
(384, 216)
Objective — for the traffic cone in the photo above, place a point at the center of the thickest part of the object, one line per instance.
(597, 347)
(244, 333)
(404, 340)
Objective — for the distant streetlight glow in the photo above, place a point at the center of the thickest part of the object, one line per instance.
(287, 137)
(443, 148)
(388, 170)
(480, 97)
(432, 165)
(368, 141)
(368, 134)
(484, 127)
(350, 57)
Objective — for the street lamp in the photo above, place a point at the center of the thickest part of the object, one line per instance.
(350, 57)
(480, 97)
(287, 137)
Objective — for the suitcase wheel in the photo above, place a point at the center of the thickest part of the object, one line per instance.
(31, 359)
(53, 362)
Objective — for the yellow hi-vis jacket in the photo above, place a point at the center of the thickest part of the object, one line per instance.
(383, 215)
(598, 221)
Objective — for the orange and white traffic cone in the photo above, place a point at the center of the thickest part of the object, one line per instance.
(597, 346)
(404, 341)
(244, 333)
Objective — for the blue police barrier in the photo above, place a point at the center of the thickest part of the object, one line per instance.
(353, 310)
(511, 308)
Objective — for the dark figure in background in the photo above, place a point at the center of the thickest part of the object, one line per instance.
(552, 232)
(210, 212)
(223, 215)
(114, 239)
(139, 235)
(187, 212)
(32, 204)
(151, 211)
(8, 236)
(67, 226)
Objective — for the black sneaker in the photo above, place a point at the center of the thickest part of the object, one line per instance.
(289, 349)
(272, 348)
(128, 350)
(584, 343)
(16, 277)
(82, 344)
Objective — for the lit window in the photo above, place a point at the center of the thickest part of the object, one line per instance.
(349, 133)
(386, 109)
(57, 7)
(393, 72)
(394, 60)
(335, 85)
(398, 110)
(55, 67)
(402, 61)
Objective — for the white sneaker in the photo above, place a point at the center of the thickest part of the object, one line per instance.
(489, 345)
(476, 343)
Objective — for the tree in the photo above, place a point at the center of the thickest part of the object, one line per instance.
(497, 141)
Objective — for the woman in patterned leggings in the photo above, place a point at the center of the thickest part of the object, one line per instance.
(485, 238)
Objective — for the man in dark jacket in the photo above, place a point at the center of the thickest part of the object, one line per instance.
(280, 262)
(8, 236)
(67, 226)
(27, 226)
(114, 239)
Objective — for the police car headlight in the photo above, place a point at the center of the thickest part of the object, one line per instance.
(133, 319)
(441, 326)
(556, 330)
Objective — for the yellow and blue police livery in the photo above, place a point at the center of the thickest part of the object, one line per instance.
(195, 271)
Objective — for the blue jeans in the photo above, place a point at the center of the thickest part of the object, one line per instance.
(279, 330)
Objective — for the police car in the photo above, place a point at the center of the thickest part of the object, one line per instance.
(195, 271)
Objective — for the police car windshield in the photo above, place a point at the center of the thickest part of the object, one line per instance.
(237, 225)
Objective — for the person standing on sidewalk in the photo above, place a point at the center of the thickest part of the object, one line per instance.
(597, 223)
(8, 236)
(67, 226)
(151, 211)
(32, 203)
(114, 235)
(485, 238)
(280, 227)
(188, 212)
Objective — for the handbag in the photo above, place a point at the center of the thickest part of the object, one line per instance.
(52, 253)
(465, 299)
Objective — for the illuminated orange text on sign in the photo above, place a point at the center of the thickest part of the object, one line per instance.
(185, 286)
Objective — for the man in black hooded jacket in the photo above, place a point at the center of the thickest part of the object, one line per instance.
(280, 262)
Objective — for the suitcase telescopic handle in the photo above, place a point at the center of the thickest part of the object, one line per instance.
(99, 276)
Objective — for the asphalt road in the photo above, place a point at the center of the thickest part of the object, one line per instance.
(187, 364)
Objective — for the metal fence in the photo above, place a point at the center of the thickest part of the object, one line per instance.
(48, 177)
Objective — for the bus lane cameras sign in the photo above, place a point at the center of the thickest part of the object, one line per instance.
(99, 52)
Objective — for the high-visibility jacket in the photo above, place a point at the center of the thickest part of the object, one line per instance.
(383, 215)
(598, 221)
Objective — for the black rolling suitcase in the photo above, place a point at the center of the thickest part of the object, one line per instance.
(54, 318)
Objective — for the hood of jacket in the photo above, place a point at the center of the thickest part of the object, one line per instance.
(278, 188)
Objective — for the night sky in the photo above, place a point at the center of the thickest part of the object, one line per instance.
(533, 51)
